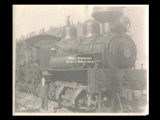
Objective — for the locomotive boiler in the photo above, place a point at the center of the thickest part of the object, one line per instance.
(110, 50)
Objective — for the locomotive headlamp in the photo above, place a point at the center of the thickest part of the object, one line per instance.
(123, 22)
(126, 22)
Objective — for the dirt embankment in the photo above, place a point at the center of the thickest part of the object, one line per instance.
(29, 103)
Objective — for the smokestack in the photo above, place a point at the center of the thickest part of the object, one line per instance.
(106, 15)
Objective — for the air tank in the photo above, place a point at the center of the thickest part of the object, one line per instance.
(69, 32)
(91, 28)
(67, 62)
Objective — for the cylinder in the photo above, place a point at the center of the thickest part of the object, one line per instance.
(91, 28)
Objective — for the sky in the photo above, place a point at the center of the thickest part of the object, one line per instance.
(29, 18)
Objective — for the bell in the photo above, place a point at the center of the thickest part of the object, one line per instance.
(69, 32)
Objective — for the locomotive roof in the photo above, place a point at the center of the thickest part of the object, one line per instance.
(39, 37)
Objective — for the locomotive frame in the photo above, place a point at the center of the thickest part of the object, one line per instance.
(119, 83)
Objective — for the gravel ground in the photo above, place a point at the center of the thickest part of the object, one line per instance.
(29, 103)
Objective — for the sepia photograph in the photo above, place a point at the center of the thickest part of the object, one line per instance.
(80, 60)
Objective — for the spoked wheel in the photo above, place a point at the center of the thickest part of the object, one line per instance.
(51, 94)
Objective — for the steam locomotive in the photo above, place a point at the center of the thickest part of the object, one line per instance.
(94, 72)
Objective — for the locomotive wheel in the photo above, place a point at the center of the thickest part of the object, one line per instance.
(51, 92)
